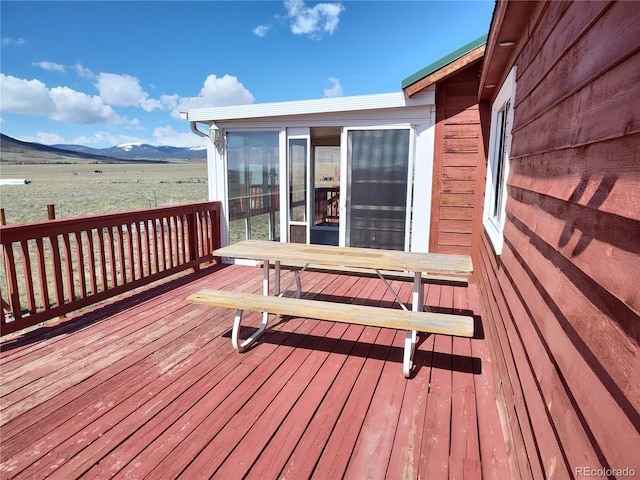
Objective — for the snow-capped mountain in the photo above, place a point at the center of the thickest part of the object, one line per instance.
(142, 151)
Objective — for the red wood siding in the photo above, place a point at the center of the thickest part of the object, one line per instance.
(561, 304)
(455, 171)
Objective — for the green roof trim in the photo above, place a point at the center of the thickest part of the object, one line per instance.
(438, 64)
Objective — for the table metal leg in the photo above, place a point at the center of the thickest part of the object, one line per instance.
(296, 278)
(417, 305)
(409, 350)
(298, 285)
(235, 340)
(418, 292)
(265, 291)
(391, 290)
(265, 277)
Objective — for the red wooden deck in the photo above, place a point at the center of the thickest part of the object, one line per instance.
(149, 386)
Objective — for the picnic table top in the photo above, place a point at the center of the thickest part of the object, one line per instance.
(349, 257)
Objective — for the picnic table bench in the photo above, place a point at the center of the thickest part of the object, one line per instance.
(347, 261)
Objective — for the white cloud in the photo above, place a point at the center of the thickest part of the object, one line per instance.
(149, 104)
(41, 137)
(172, 102)
(63, 104)
(119, 90)
(169, 136)
(335, 90)
(48, 138)
(215, 92)
(124, 91)
(83, 72)
(132, 125)
(98, 138)
(56, 67)
(19, 42)
(26, 97)
(261, 30)
(312, 21)
(224, 91)
(79, 108)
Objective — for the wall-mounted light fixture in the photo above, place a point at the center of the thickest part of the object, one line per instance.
(507, 43)
(215, 137)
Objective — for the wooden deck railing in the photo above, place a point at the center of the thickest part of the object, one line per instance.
(327, 205)
(54, 267)
(260, 200)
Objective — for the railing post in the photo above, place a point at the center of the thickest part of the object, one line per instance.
(216, 228)
(13, 305)
(6, 307)
(7, 310)
(192, 225)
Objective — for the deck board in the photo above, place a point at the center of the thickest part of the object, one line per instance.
(371, 454)
(149, 385)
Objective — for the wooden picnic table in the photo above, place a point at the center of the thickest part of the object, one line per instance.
(347, 261)
(346, 258)
(393, 260)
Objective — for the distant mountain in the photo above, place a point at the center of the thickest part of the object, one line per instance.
(17, 151)
(142, 151)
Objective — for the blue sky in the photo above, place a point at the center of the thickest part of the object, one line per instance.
(105, 73)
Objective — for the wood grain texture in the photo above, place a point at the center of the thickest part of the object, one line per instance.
(457, 280)
(301, 254)
(429, 322)
(560, 301)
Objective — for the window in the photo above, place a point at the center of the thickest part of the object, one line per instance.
(298, 153)
(253, 185)
(495, 198)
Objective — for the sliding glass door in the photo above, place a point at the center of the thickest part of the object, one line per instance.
(377, 189)
(369, 208)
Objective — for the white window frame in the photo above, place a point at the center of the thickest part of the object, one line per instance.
(222, 178)
(298, 134)
(499, 151)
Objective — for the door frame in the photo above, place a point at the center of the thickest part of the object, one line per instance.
(345, 176)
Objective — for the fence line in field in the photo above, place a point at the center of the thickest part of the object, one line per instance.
(57, 266)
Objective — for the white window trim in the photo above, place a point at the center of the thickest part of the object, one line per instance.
(495, 226)
(298, 134)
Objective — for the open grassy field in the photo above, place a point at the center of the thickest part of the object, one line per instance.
(85, 189)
